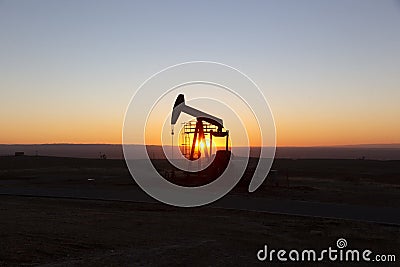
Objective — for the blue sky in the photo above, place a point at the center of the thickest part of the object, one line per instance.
(323, 65)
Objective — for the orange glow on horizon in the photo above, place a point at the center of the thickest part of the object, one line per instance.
(306, 132)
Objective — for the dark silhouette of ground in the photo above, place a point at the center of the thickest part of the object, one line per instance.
(78, 232)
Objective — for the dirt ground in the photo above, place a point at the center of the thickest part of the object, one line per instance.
(67, 232)
(360, 182)
(75, 232)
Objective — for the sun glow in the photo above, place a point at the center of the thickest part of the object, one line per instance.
(202, 145)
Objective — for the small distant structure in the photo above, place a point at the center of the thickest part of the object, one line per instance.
(19, 154)
(103, 156)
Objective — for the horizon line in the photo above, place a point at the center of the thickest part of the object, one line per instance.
(278, 146)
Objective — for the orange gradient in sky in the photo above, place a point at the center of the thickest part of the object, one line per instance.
(340, 131)
(320, 121)
(307, 131)
(83, 131)
(290, 132)
(301, 125)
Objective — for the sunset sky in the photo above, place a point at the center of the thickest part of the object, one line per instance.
(330, 70)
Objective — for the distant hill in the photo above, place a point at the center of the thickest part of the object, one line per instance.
(379, 152)
(397, 146)
(339, 152)
(65, 150)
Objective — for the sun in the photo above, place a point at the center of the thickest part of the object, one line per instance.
(202, 145)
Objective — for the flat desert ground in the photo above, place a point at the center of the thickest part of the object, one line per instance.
(78, 212)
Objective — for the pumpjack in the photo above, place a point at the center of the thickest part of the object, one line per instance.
(205, 124)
